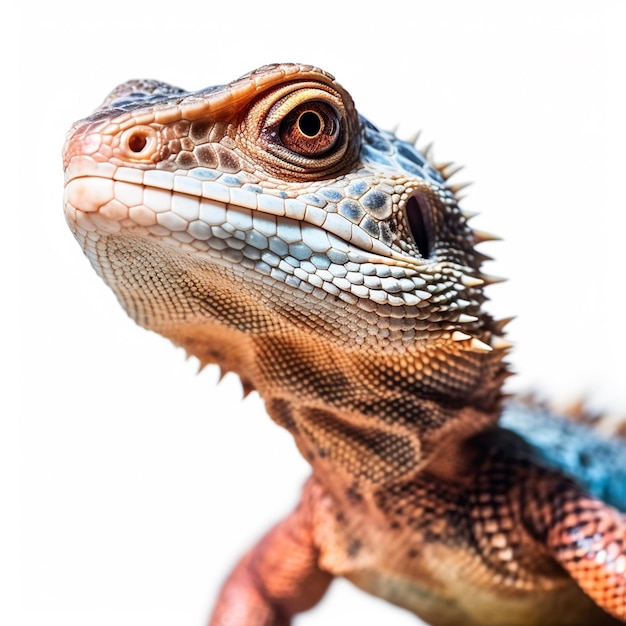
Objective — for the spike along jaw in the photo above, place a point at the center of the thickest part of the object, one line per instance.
(269, 208)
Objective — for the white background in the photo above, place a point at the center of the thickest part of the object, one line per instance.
(132, 483)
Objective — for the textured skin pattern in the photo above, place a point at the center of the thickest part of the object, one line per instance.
(597, 462)
(266, 227)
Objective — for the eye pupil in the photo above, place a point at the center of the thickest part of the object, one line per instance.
(311, 129)
(310, 124)
(137, 142)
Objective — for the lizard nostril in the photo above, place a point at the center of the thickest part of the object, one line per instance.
(137, 142)
(416, 213)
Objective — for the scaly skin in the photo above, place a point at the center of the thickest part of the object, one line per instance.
(266, 227)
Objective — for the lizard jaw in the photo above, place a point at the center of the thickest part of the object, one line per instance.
(201, 217)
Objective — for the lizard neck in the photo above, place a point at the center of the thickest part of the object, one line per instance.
(360, 416)
(380, 409)
(377, 418)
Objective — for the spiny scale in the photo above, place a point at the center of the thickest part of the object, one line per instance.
(482, 236)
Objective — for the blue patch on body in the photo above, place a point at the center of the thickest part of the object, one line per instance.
(597, 463)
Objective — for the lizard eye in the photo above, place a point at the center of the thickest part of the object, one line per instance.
(311, 129)
(301, 130)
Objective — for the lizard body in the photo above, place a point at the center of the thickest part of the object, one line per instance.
(266, 227)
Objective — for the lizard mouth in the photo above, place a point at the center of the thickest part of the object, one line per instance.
(193, 211)
(310, 248)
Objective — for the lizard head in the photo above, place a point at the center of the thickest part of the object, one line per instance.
(267, 227)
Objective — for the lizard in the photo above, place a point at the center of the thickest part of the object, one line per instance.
(267, 227)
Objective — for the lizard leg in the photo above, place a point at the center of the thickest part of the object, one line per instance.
(588, 539)
(277, 578)
(585, 535)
